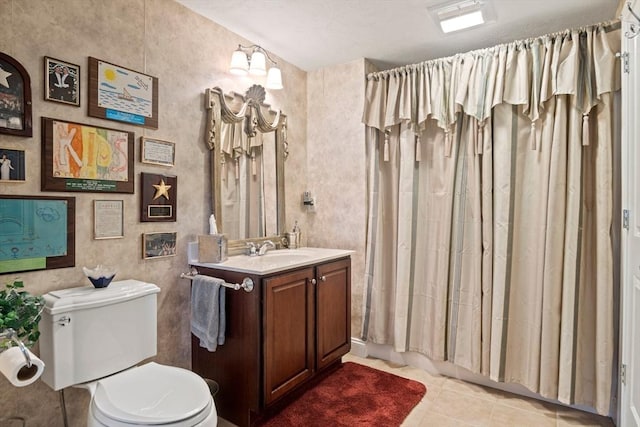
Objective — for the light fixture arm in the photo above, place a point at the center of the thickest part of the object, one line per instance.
(253, 47)
(253, 59)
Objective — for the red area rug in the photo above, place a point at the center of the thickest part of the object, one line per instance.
(353, 395)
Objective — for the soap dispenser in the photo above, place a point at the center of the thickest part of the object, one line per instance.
(293, 237)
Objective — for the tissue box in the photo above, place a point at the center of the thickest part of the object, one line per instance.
(212, 248)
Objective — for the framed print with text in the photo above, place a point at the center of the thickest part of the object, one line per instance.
(79, 157)
(157, 152)
(120, 94)
(108, 219)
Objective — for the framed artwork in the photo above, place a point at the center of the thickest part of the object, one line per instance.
(120, 94)
(12, 165)
(37, 233)
(15, 98)
(158, 197)
(61, 81)
(108, 219)
(157, 152)
(78, 157)
(158, 245)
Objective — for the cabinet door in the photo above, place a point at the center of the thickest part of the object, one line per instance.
(289, 332)
(333, 307)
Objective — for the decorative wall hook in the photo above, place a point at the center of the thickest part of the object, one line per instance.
(634, 29)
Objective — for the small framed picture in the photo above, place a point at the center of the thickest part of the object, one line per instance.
(61, 81)
(158, 245)
(108, 219)
(15, 98)
(11, 165)
(157, 152)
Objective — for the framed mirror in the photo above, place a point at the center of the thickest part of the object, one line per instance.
(247, 144)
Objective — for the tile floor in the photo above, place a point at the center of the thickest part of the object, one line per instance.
(453, 403)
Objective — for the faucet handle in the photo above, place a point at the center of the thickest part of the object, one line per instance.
(252, 249)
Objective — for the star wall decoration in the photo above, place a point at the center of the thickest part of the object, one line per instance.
(162, 189)
(158, 197)
(3, 78)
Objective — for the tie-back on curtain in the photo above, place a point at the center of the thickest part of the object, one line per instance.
(491, 214)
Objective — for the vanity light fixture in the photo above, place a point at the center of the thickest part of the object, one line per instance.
(253, 60)
(458, 15)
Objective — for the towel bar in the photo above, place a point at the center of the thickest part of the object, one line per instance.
(247, 283)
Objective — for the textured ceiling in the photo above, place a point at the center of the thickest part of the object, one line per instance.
(312, 34)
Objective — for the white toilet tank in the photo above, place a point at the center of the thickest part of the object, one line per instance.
(88, 333)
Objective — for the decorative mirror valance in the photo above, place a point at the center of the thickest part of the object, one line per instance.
(247, 142)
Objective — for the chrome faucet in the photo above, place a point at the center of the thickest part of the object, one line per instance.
(266, 245)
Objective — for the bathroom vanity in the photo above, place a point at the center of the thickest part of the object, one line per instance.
(294, 326)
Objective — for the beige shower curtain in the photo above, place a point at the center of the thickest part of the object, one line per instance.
(491, 214)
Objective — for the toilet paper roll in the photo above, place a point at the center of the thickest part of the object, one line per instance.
(13, 365)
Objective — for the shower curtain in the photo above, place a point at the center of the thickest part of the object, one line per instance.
(491, 188)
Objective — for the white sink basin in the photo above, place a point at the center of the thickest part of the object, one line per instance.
(277, 260)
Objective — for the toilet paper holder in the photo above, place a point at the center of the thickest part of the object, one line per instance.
(10, 334)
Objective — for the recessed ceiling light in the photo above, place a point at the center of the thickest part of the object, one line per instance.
(460, 14)
(461, 22)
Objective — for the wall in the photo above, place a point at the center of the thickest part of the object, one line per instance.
(336, 168)
(188, 54)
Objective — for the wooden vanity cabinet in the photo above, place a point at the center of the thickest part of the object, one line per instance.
(289, 330)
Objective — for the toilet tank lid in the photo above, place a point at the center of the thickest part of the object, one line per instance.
(65, 300)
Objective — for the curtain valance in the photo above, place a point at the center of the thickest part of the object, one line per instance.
(580, 62)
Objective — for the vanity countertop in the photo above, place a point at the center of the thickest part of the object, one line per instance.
(276, 260)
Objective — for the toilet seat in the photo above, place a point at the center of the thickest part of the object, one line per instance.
(152, 394)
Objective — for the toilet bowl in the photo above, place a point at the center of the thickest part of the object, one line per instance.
(96, 339)
(151, 394)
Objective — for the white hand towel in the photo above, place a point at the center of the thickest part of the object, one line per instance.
(207, 315)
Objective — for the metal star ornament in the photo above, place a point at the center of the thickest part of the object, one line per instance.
(3, 77)
(162, 189)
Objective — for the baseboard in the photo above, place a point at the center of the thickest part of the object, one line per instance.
(358, 347)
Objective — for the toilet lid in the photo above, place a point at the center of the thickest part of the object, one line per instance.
(152, 394)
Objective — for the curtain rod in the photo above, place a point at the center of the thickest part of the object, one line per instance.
(608, 26)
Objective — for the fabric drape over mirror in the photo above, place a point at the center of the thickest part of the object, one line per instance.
(491, 212)
(242, 181)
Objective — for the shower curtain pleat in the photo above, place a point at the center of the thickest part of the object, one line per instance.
(494, 250)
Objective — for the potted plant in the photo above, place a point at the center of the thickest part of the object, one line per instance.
(19, 311)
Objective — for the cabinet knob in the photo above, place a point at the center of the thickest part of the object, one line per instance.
(313, 281)
(323, 278)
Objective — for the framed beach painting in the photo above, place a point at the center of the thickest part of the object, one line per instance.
(61, 82)
(79, 157)
(15, 98)
(120, 94)
(12, 165)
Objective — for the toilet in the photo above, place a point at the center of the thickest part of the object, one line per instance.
(95, 338)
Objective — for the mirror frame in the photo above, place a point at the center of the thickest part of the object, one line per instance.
(219, 111)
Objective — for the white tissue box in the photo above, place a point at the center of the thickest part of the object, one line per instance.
(212, 248)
